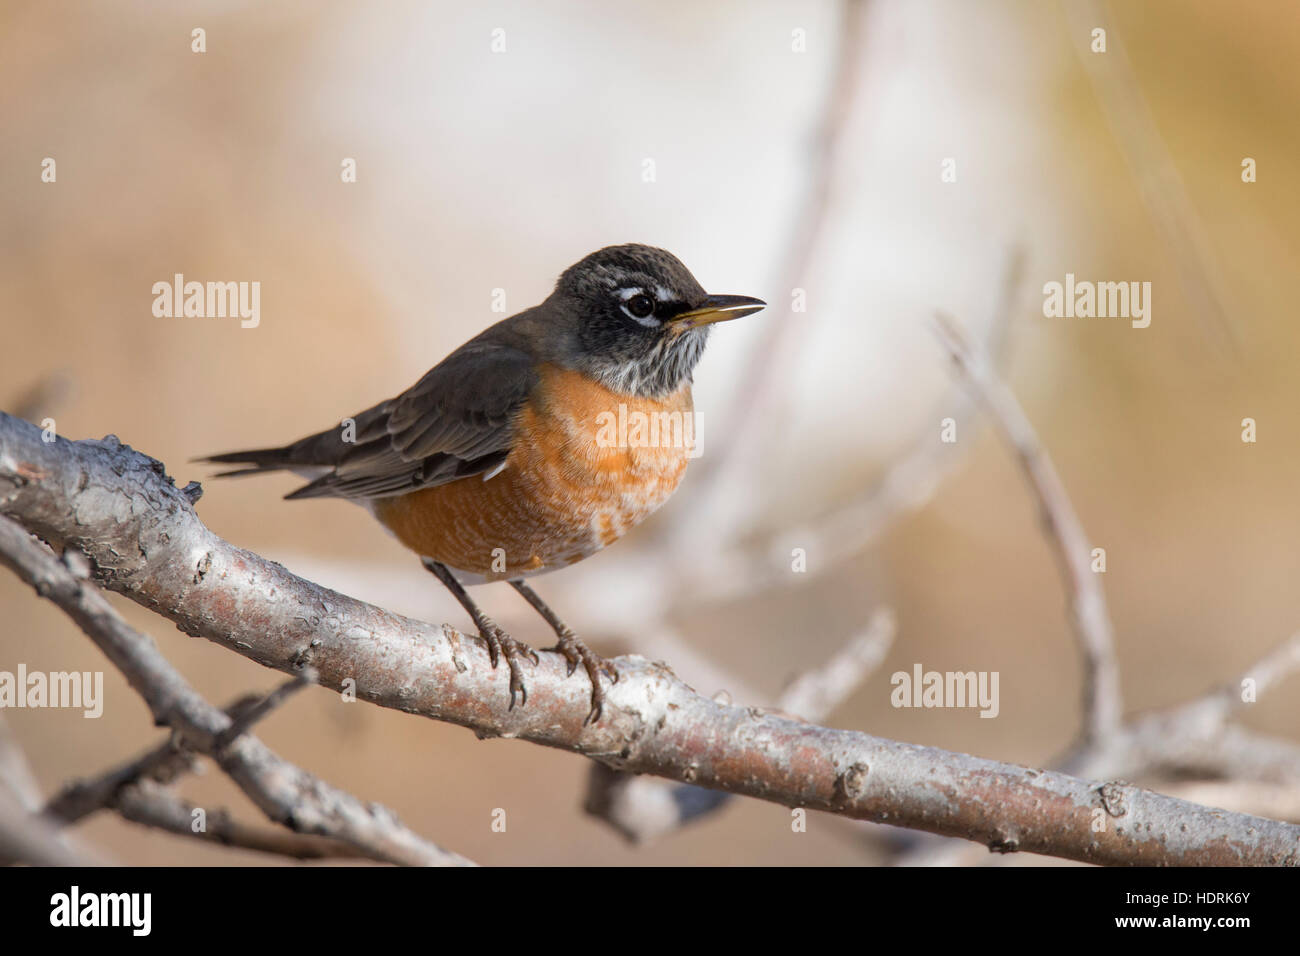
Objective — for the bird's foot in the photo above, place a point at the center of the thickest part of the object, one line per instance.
(500, 644)
(575, 652)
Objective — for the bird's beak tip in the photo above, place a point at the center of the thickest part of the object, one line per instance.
(722, 308)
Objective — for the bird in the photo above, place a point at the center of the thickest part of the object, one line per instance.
(500, 464)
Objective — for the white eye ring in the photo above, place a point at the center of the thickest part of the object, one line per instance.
(648, 320)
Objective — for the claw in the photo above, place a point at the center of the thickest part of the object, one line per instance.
(500, 644)
(575, 652)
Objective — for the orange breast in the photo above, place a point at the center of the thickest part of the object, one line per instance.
(588, 465)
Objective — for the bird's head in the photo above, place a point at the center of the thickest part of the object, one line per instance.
(642, 319)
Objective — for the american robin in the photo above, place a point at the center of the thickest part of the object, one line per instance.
(500, 463)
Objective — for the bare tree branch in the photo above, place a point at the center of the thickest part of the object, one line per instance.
(645, 809)
(136, 790)
(244, 717)
(1190, 739)
(149, 804)
(1195, 738)
(285, 793)
(80, 799)
(1091, 618)
(164, 764)
(1190, 744)
(815, 693)
(143, 539)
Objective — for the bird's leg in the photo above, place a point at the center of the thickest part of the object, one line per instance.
(498, 641)
(574, 651)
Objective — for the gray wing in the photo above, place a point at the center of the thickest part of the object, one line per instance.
(458, 420)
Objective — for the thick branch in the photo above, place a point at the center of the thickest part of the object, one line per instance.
(644, 809)
(144, 540)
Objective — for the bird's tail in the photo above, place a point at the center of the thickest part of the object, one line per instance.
(257, 461)
(307, 456)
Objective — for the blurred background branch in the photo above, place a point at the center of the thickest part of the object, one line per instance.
(1102, 707)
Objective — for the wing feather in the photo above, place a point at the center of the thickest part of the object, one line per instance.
(456, 421)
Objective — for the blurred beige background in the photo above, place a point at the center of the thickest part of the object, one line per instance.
(481, 170)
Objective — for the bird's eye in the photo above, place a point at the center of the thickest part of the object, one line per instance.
(640, 305)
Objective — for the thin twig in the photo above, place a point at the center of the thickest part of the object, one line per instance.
(1195, 738)
(81, 798)
(1089, 615)
(259, 708)
(285, 793)
(152, 805)
(164, 763)
(815, 693)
